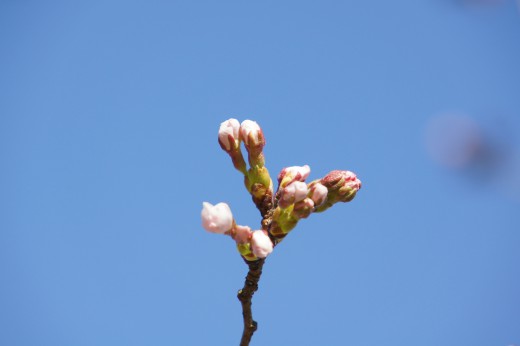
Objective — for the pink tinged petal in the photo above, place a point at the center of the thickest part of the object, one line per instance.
(294, 173)
(300, 191)
(261, 245)
(292, 193)
(287, 196)
(228, 134)
(318, 194)
(216, 218)
(242, 234)
(250, 130)
(305, 171)
(355, 184)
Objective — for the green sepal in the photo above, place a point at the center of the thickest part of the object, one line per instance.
(257, 181)
(245, 252)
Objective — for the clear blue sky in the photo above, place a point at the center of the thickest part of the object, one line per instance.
(109, 112)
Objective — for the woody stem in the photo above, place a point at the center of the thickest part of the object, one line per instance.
(245, 296)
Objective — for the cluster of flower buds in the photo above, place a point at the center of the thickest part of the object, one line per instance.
(251, 244)
(296, 200)
(293, 201)
(256, 178)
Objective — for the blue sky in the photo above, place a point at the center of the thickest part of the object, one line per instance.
(108, 146)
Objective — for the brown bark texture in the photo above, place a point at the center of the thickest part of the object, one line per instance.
(245, 295)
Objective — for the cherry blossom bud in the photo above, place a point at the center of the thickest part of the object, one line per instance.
(252, 135)
(342, 186)
(228, 135)
(229, 140)
(344, 183)
(292, 193)
(261, 245)
(318, 193)
(303, 208)
(338, 177)
(216, 218)
(348, 187)
(300, 191)
(241, 234)
(293, 173)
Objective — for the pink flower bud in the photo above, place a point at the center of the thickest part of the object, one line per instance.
(216, 218)
(353, 184)
(300, 191)
(293, 173)
(318, 193)
(261, 245)
(242, 234)
(228, 135)
(342, 186)
(340, 177)
(251, 134)
(292, 193)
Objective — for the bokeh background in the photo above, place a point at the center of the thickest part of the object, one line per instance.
(109, 112)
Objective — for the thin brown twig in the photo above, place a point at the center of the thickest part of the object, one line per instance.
(245, 296)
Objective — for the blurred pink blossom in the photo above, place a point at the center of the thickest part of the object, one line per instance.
(453, 139)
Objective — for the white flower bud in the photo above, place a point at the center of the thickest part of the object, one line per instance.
(251, 133)
(216, 218)
(228, 135)
(318, 193)
(261, 245)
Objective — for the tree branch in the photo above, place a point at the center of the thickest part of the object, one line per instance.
(245, 295)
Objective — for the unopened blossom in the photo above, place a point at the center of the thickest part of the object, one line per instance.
(241, 234)
(342, 186)
(334, 177)
(252, 135)
(216, 218)
(292, 193)
(293, 173)
(344, 183)
(229, 135)
(318, 194)
(229, 140)
(261, 245)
